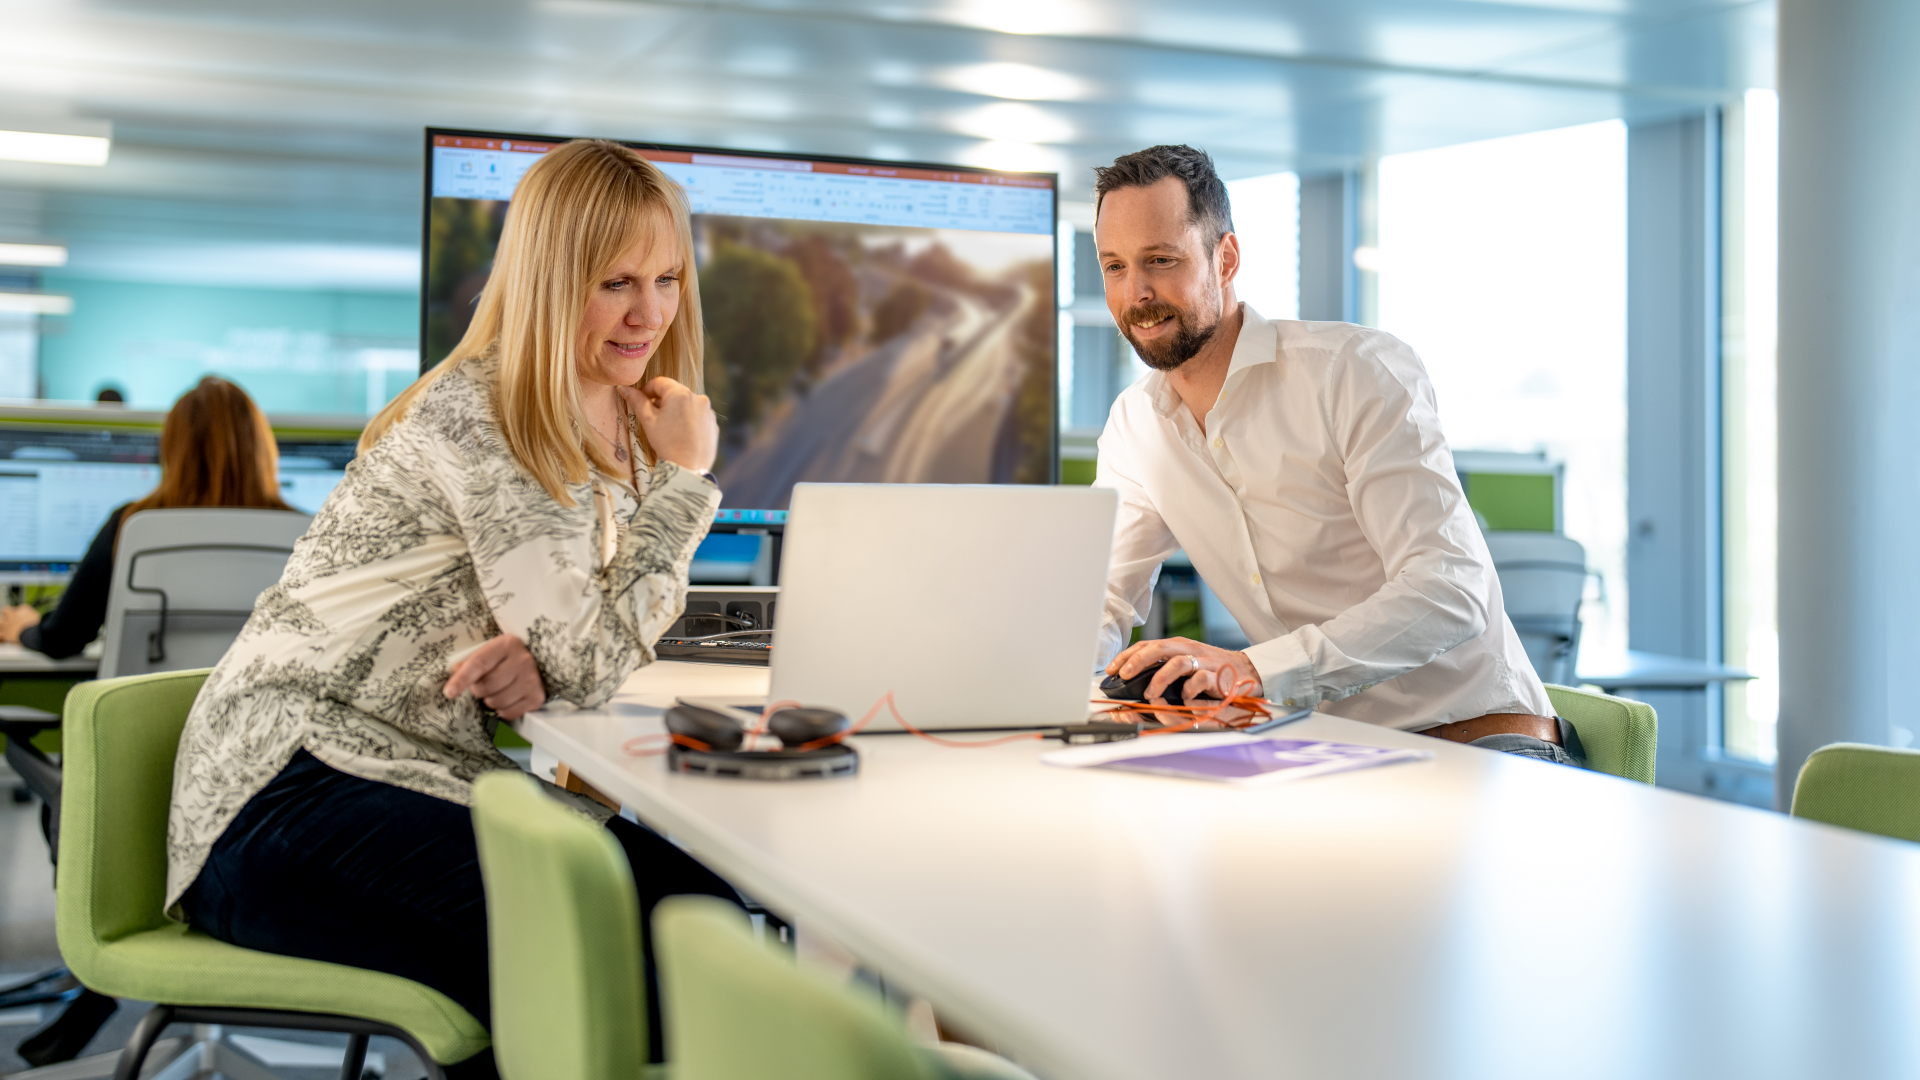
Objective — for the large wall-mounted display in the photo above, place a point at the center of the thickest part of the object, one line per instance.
(866, 321)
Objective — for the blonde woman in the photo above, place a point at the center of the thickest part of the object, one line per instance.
(518, 524)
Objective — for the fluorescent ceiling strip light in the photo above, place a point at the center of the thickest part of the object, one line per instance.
(33, 255)
(63, 141)
(25, 303)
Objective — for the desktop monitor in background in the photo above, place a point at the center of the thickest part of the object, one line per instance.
(60, 480)
(310, 468)
(866, 321)
(57, 486)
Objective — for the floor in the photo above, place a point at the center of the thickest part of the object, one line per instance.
(28, 946)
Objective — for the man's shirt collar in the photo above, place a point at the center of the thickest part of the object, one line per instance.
(1257, 344)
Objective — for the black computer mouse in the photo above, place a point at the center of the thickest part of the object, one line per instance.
(1135, 689)
(797, 727)
(718, 730)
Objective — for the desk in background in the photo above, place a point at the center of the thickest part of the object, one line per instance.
(16, 660)
(38, 681)
(1656, 671)
(1474, 916)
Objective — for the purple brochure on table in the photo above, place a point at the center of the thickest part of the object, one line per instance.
(1233, 759)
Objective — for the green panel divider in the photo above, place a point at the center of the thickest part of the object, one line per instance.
(1078, 470)
(37, 692)
(1517, 502)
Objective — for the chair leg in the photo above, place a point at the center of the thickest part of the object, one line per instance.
(39, 773)
(54, 984)
(69, 1033)
(144, 1034)
(356, 1057)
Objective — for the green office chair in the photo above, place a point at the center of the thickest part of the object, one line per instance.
(1874, 789)
(563, 935)
(737, 1009)
(1618, 734)
(121, 736)
(569, 997)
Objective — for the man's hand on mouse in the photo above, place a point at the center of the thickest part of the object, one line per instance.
(1210, 671)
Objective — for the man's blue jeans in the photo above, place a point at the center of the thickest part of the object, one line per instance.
(1569, 752)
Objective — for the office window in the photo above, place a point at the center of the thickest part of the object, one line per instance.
(1266, 217)
(1503, 263)
(19, 334)
(1749, 264)
(1095, 361)
(19, 345)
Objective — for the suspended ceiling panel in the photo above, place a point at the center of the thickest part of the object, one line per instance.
(298, 124)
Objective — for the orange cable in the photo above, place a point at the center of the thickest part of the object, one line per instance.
(1255, 707)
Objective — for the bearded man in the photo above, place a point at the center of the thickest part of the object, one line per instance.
(1301, 466)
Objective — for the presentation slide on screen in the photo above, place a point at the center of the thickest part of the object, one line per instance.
(864, 322)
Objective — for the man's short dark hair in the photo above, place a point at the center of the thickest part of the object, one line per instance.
(1206, 193)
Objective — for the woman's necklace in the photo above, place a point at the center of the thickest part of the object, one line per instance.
(619, 445)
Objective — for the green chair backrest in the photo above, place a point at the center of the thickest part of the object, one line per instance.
(117, 785)
(563, 930)
(1874, 789)
(738, 1009)
(1618, 734)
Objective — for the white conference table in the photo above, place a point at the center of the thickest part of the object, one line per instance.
(1473, 916)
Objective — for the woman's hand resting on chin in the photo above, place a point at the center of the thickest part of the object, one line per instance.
(679, 423)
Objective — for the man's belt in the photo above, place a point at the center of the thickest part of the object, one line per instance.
(1544, 728)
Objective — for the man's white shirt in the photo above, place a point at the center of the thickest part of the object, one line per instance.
(1322, 506)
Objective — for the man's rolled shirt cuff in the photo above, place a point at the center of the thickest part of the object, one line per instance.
(1286, 673)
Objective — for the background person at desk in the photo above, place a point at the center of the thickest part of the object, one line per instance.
(1302, 467)
(499, 520)
(216, 449)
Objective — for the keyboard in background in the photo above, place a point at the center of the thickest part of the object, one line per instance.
(720, 651)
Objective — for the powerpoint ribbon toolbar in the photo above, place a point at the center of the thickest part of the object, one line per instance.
(741, 186)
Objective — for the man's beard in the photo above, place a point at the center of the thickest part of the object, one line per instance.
(1168, 353)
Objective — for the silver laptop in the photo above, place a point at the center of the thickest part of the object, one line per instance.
(976, 606)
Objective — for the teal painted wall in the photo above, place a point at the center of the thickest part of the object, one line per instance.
(307, 351)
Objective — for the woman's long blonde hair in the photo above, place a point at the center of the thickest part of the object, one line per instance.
(576, 211)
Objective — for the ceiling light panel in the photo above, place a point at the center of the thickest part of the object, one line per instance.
(33, 255)
(1014, 156)
(1012, 121)
(1035, 16)
(20, 303)
(1019, 82)
(61, 141)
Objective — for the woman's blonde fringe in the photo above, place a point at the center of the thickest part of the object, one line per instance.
(576, 211)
